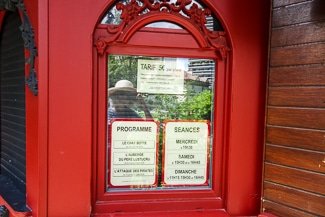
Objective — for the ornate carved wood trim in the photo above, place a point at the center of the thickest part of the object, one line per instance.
(28, 37)
(134, 16)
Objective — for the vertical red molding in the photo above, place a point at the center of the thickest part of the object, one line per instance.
(70, 85)
(42, 62)
(33, 155)
(247, 24)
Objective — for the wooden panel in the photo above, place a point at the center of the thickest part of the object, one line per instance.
(299, 13)
(299, 97)
(280, 3)
(294, 198)
(296, 117)
(294, 167)
(299, 55)
(293, 35)
(284, 211)
(299, 138)
(301, 179)
(298, 158)
(298, 75)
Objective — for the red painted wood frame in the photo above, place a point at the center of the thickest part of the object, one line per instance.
(189, 43)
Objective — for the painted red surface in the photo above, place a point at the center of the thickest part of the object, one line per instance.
(205, 213)
(264, 214)
(60, 162)
(12, 212)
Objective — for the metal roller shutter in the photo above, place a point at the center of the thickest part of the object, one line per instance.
(12, 107)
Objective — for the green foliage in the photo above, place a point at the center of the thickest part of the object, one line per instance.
(170, 107)
(166, 107)
(197, 107)
(122, 67)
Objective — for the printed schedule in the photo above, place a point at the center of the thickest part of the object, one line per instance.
(186, 153)
(133, 153)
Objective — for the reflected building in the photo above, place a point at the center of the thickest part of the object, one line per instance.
(202, 68)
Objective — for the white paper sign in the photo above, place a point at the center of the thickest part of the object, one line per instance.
(186, 153)
(160, 76)
(133, 153)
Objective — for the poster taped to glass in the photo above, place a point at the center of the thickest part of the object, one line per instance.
(133, 153)
(186, 153)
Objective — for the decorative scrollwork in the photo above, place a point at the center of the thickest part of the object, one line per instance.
(28, 37)
(9, 5)
(4, 212)
(135, 9)
(29, 43)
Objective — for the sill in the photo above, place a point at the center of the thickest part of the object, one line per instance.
(12, 198)
(194, 213)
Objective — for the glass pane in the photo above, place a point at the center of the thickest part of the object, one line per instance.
(160, 126)
(167, 25)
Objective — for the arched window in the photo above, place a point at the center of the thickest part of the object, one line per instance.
(160, 82)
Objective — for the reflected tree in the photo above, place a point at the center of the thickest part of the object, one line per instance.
(122, 67)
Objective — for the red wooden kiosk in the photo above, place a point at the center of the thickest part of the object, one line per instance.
(66, 111)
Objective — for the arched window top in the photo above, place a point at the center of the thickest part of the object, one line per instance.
(113, 15)
(126, 17)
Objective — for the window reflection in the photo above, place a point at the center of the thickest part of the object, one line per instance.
(167, 25)
(163, 83)
(160, 122)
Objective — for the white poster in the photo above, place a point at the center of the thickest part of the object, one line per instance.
(186, 153)
(133, 153)
(160, 76)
